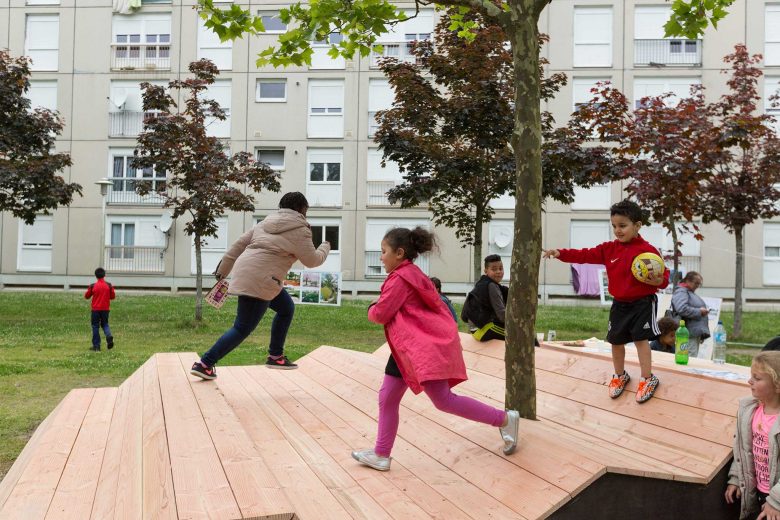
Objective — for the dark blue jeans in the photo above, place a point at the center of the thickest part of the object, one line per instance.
(250, 312)
(100, 320)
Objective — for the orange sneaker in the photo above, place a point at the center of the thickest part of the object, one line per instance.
(646, 388)
(618, 384)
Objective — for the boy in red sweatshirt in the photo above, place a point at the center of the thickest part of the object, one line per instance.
(633, 313)
(101, 293)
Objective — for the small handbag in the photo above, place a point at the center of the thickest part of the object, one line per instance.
(218, 294)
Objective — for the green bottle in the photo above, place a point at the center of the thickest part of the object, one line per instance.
(681, 345)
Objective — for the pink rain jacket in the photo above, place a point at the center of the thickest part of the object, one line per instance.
(419, 328)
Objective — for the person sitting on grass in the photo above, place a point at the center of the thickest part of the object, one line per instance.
(485, 306)
(772, 344)
(665, 342)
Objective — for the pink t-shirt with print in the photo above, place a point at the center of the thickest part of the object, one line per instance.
(762, 425)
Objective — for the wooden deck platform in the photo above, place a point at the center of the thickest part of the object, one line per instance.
(259, 443)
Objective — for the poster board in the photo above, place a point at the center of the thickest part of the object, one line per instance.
(606, 298)
(313, 287)
(713, 304)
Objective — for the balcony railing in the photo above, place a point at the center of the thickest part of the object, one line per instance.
(126, 123)
(140, 56)
(687, 263)
(686, 53)
(122, 191)
(377, 193)
(133, 259)
(398, 50)
(375, 269)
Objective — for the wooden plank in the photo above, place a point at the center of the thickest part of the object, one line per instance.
(76, 490)
(320, 413)
(547, 458)
(256, 491)
(354, 429)
(159, 501)
(523, 493)
(129, 490)
(330, 457)
(35, 488)
(19, 465)
(309, 495)
(201, 487)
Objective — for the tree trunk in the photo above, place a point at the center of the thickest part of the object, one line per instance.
(198, 281)
(676, 253)
(527, 247)
(738, 282)
(477, 259)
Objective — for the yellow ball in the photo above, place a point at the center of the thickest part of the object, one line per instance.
(645, 265)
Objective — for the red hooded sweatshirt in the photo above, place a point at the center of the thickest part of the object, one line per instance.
(101, 293)
(617, 257)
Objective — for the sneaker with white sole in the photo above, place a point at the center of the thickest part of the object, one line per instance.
(509, 433)
(372, 460)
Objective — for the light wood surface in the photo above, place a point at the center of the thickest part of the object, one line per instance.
(269, 444)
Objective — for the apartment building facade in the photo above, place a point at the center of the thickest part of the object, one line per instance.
(315, 125)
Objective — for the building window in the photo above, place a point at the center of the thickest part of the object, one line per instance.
(380, 97)
(210, 47)
(376, 228)
(35, 245)
(122, 240)
(772, 35)
(588, 233)
(125, 109)
(594, 197)
(592, 36)
(581, 89)
(772, 87)
(271, 90)
(221, 92)
(212, 250)
(771, 253)
(395, 43)
(325, 233)
(380, 179)
(272, 23)
(323, 167)
(651, 87)
(42, 41)
(326, 108)
(273, 157)
(134, 244)
(320, 59)
(125, 179)
(652, 47)
(43, 93)
(141, 41)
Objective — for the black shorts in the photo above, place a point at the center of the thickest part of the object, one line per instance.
(391, 369)
(633, 321)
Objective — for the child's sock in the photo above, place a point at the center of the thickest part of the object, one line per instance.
(276, 357)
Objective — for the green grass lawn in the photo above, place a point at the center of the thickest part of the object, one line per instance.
(45, 340)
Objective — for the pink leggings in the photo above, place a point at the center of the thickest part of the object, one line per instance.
(393, 389)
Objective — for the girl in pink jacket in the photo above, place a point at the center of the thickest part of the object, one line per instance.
(426, 354)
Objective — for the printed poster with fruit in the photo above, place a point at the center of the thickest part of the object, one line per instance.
(314, 287)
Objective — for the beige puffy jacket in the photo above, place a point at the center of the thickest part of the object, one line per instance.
(742, 471)
(261, 258)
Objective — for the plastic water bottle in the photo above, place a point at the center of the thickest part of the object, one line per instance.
(681, 345)
(719, 339)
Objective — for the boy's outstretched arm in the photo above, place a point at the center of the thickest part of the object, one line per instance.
(551, 253)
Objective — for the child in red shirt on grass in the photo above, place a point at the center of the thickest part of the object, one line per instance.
(633, 313)
(101, 293)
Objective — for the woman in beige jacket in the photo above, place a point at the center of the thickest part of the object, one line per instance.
(259, 261)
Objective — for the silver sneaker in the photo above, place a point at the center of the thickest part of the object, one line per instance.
(372, 460)
(509, 433)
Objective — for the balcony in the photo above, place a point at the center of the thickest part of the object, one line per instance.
(140, 56)
(673, 53)
(375, 269)
(127, 123)
(122, 191)
(687, 263)
(398, 50)
(134, 259)
(377, 193)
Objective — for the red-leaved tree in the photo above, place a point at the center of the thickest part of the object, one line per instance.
(742, 188)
